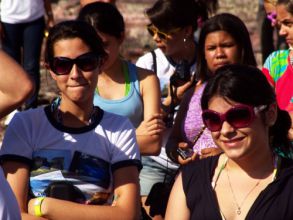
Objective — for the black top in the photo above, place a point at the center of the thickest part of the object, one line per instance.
(274, 202)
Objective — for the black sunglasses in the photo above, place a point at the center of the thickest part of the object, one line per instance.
(85, 62)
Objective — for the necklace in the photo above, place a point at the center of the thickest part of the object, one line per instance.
(91, 119)
(222, 167)
(238, 211)
(55, 107)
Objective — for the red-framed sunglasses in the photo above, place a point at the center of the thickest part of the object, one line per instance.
(239, 116)
(85, 62)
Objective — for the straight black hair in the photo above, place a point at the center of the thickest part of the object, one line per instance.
(74, 29)
(235, 27)
(170, 14)
(248, 85)
(288, 5)
(104, 17)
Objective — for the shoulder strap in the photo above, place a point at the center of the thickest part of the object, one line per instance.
(154, 61)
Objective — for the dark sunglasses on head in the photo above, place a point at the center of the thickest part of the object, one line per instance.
(239, 116)
(85, 62)
(153, 30)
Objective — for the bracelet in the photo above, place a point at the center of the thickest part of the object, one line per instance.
(37, 206)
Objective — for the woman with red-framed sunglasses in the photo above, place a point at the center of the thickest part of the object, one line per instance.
(252, 178)
(224, 39)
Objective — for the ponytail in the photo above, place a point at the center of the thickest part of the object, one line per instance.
(279, 133)
(170, 14)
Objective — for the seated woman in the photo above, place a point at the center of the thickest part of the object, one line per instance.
(66, 160)
(249, 180)
(122, 87)
(224, 39)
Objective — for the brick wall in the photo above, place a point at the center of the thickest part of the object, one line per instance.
(137, 37)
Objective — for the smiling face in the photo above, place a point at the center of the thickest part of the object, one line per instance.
(220, 49)
(242, 142)
(285, 23)
(77, 86)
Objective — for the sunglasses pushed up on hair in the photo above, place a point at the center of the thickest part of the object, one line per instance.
(239, 116)
(85, 62)
(153, 30)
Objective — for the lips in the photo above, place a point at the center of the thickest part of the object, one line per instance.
(221, 64)
(76, 86)
(232, 143)
(161, 46)
(289, 41)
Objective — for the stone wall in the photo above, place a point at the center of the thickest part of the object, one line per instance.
(137, 37)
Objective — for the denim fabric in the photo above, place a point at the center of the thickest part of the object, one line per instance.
(23, 42)
(153, 172)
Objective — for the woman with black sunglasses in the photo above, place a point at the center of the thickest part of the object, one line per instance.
(250, 180)
(71, 159)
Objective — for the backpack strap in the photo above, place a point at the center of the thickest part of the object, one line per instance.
(154, 61)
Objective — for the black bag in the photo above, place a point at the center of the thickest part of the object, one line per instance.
(65, 190)
(158, 198)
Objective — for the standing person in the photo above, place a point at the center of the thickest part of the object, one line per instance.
(268, 31)
(278, 66)
(173, 24)
(122, 87)
(72, 160)
(22, 30)
(10, 99)
(224, 39)
(249, 180)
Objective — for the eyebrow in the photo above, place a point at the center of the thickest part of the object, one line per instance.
(287, 20)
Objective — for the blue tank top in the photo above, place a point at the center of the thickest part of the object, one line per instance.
(130, 106)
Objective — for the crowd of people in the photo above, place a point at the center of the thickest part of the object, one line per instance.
(193, 130)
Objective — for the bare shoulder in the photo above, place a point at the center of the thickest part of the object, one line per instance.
(143, 74)
(148, 81)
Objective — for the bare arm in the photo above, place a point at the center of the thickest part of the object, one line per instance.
(177, 208)
(149, 132)
(15, 85)
(175, 139)
(17, 175)
(49, 13)
(179, 93)
(127, 206)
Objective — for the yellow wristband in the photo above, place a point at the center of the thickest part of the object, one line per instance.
(37, 206)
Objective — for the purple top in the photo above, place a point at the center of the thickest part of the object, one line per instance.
(192, 124)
